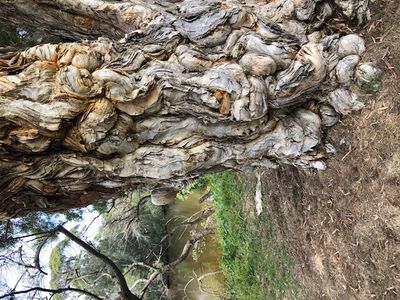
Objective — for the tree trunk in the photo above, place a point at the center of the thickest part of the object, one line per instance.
(203, 88)
(79, 19)
(90, 19)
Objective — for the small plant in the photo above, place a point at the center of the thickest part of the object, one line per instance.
(197, 184)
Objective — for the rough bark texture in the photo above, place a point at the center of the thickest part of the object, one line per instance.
(202, 87)
(84, 19)
(89, 19)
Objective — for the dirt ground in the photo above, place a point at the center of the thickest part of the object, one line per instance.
(342, 226)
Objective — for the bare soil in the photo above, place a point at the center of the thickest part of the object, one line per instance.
(342, 225)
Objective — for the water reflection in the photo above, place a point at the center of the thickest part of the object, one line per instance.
(199, 276)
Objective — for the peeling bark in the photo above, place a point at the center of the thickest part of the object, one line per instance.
(79, 19)
(90, 19)
(206, 87)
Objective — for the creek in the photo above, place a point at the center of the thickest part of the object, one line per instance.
(203, 262)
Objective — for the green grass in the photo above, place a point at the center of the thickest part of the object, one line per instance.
(255, 264)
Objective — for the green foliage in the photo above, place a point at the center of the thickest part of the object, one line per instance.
(197, 184)
(254, 263)
(100, 206)
(35, 222)
(72, 215)
(11, 35)
(124, 247)
(57, 265)
(7, 36)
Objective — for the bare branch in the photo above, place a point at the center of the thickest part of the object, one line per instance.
(112, 206)
(91, 223)
(127, 294)
(193, 219)
(152, 277)
(37, 254)
(141, 202)
(184, 254)
(205, 197)
(140, 264)
(141, 280)
(186, 249)
(57, 291)
(38, 235)
(19, 263)
(198, 216)
(19, 280)
(200, 278)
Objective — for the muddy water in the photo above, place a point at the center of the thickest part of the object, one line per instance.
(204, 262)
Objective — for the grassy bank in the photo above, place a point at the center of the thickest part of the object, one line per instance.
(254, 263)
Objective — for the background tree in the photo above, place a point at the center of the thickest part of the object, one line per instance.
(128, 257)
(33, 224)
(127, 240)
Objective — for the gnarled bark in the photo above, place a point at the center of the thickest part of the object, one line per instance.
(90, 19)
(213, 86)
(79, 19)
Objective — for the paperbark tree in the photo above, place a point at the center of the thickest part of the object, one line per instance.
(169, 91)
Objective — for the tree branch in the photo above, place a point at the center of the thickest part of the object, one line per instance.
(184, 254)
(19, 280)
(140, 264)
(28, 235)
(56, 291)
(37, 254)
(186, 249)
(193, 219)
(141, 202)
(19, 263)
(126, 293)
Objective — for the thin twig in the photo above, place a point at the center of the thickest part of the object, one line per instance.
(141, 202)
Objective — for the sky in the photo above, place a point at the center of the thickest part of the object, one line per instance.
(11, 276)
